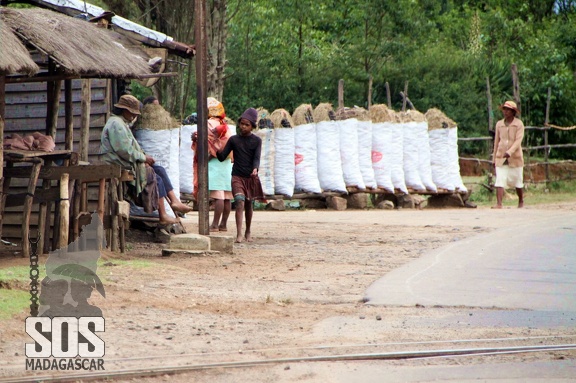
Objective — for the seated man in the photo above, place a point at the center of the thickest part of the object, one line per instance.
(118, 146)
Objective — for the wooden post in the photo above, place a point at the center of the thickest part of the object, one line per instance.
(101, 194)
(405, 96)
(64, 211)
(340, 94)
(388, 95)
(27, 209)
(370, 91)
(85, 118)
(489, 98)
(114, 227)
(202, 110)
(516, 87)
(2, 112)
(68, 116)
(546, 128)
(53, 108)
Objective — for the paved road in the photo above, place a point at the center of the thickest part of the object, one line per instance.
(531, 265)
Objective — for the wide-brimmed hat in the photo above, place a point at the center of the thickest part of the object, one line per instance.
(510, 105)
(130, 103)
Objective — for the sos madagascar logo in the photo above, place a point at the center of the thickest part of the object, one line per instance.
(64, 326)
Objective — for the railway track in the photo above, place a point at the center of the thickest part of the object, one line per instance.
(168, 365)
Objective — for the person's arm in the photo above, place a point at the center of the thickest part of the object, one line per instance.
(517, 139)
(496, 142)
(125, 145)
(223, 154)
(256, 159)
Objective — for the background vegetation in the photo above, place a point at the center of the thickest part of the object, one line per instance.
(282, 53)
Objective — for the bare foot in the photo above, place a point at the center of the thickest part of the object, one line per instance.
(239, 239)
(248, 237)
(181, 208)
(168, 221)
(214, 228)
(497, 207)
(222, 228)
(520, 205)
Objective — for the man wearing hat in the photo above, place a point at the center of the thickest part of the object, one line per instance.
(118, 146)
(508, 157)
(246, 186)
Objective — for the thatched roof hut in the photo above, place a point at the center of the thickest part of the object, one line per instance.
(76, 46)
(14, 57)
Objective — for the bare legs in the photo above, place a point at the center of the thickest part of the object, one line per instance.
(242, 206)
(176, 204)
(165, 219)
(520, 193)
(500, 196)
(222, 209)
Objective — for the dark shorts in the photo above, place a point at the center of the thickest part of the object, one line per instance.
(249, 188)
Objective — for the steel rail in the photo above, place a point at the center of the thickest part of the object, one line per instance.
(418, 354)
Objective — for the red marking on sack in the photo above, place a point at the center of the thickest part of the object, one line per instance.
(298, 158)
(376, 157)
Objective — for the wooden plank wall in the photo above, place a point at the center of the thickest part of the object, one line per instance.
(26, 113)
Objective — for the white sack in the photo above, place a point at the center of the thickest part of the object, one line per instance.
(349, 153)
(266, 170)
(365, 153)
(397, 155)
(411, 160)
(284, 180)
(163, 146)
(305, 159)
(329, 163)
(440, 158)
(454, 164)
(186, 159)
(382, 155)
(424, 168)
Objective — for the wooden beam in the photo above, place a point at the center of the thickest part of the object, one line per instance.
(340, 94)
(516, 86)
(404, 96)
(64, 211)
(68, 116)
(28, 208)
(388, 95)
(202, 110)
(2, 112)
(489, 102)
(546, 122)
(370, 91)
(85, 173)
(85, 118)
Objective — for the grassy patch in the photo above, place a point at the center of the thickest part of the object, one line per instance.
(20, 274)
(134, 263)
(13, 302)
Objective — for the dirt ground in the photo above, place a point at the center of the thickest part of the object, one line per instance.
(296, 291)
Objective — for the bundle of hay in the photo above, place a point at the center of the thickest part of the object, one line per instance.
(324, 112)
(155, 117)
(303, 115)
(381, 113)
(438, 120)
(264, 120)
(281, 119)
(412, 116)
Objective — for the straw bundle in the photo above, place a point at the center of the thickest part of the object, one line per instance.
(264, 120)
(155, 117)
(281, 119)
(324, 112)
(412, 116)
(381, 113)
(438, 120)
(303, 115)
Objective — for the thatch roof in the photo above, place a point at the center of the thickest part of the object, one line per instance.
(76, 46)
(14, 57)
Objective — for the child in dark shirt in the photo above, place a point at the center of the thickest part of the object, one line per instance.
(246, 185)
